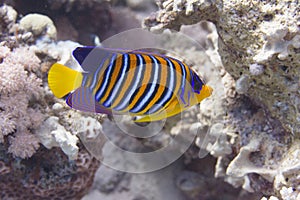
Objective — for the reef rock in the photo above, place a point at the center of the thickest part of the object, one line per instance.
(253, 34)
(39, 25)
(251, 122)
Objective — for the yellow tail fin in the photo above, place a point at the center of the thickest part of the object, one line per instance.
(62, 80)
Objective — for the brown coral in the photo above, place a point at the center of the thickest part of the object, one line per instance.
(48, 174)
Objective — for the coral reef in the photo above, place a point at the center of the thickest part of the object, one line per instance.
(253, 120)
(112, 184)
(32, 119)
(25, 99)
(249, 126)
(52, 134)
(11, 33)
(181, 180)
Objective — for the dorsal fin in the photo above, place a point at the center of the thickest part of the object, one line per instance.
(91, 58)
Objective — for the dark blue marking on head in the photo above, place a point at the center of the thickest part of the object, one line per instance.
(80, 53)
(198, 83)
(92, 58)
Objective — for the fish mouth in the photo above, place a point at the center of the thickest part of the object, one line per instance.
(209, 89)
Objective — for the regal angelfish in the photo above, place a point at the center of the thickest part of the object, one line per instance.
(138, 83)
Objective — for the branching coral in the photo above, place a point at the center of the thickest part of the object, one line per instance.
(24, 97)
(23, 144)
(19, 87)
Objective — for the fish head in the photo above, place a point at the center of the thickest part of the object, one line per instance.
(200, 89)
(205, 92)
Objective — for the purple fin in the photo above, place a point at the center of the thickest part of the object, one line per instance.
(82, 99)
(91, 58)
(150, 51)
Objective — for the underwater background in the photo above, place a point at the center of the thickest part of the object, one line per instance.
(243, 142)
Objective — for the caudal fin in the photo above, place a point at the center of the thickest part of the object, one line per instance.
(62, 80)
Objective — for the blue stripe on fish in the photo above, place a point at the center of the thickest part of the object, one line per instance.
(140, 68)
(84, 80)
(121, 77)
(150, 88)
(97, 73)
(100, 92)
(168, 93)
(182, 82)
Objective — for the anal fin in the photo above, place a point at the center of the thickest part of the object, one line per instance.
(172, 109)
(84, 100)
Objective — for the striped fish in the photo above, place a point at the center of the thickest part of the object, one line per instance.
(138, 83)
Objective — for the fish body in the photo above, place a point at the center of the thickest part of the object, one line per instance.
(138, 83)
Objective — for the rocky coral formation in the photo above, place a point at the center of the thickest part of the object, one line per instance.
(254, 123)
(186, 178)
(257, 35)
(9, 17)
(48, 174)
(38, 25)
(73, 18)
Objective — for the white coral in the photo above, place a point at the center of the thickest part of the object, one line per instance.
(289, 194)
(7, 125)
(53, 134)
(10, 76)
